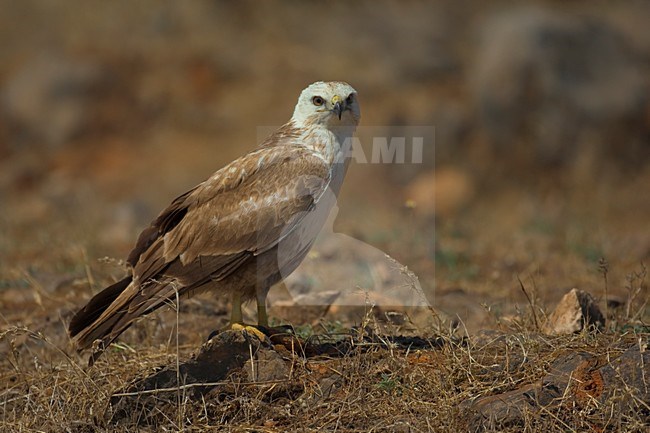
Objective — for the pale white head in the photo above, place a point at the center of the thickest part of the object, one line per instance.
(331, 104)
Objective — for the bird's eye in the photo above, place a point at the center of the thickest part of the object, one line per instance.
(349, 99)
(318, 101)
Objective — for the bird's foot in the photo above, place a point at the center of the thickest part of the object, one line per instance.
(241, 327)
(261, 332)
(251, 329)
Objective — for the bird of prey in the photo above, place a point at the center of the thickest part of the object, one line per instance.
(240, 231)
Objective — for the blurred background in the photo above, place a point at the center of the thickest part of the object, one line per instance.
(540, 167)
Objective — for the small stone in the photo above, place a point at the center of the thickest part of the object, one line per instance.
(576, 310)
(268, 366)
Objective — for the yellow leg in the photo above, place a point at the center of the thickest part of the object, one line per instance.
(237, 319)
(235, 312)
(262, 317)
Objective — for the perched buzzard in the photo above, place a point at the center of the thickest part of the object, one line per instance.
(242, 230)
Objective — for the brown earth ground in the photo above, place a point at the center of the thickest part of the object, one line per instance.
(157, 97)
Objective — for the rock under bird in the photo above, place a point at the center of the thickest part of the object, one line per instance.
(240, 231)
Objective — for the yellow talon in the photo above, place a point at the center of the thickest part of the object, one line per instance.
(250, 329)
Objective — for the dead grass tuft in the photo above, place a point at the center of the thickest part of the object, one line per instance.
(379, 386)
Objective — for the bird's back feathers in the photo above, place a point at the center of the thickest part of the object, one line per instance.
(207, 234)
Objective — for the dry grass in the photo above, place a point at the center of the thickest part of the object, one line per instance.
(45, 388)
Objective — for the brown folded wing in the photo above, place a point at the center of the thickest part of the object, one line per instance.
(209, 232)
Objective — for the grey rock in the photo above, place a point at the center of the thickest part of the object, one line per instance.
(46, 100)
(557, 85)
(574, 381)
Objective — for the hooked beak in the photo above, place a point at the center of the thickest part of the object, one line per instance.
(338, 106)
